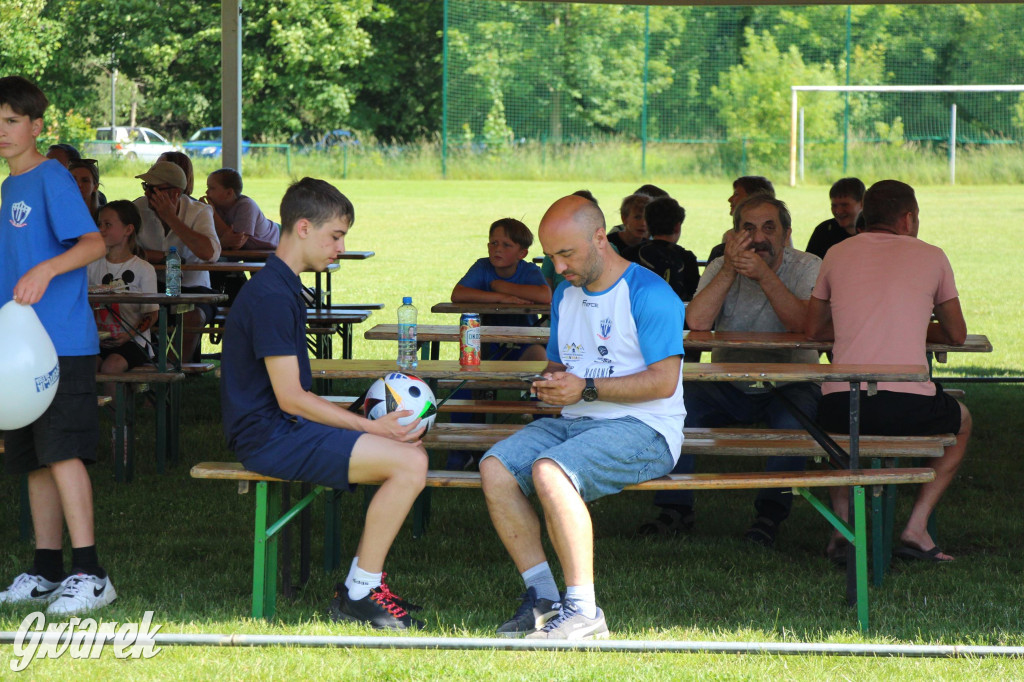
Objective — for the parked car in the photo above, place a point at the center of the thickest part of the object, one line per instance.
(206, 142)
(323, 141)
(129, 143)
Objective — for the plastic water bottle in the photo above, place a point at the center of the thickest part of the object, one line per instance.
(172, 273)
(407, 334)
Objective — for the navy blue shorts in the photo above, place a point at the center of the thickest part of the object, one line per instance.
(305, 451)
(68, 429)
(889, 413)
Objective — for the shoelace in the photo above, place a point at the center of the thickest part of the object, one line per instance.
(566, 611)
(386, 599)
(74, 584)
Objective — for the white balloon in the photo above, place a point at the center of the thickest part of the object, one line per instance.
(28, 367)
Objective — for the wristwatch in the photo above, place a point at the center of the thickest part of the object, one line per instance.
(590, 391)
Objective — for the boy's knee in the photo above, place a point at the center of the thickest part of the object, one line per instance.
(966, 421)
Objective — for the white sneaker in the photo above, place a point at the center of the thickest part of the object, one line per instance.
(82, 592)
(28, 589)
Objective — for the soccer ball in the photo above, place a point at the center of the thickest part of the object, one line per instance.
(397, 392)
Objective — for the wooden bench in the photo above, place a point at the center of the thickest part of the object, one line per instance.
(269, 519)
(126, 385)
(321, 325)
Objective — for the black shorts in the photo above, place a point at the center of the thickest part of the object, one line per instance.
(130, 351)
(68, 429)
(889, 413)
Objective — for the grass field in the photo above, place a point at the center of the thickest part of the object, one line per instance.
(184, 548)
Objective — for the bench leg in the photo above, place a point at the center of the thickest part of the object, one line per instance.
(264, 564)
(122, 463)
(860, 543)
(857, 566)
(304, 535)
(161, 428)
(174, 421)
(285, 552)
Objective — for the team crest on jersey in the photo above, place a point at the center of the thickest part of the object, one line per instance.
(19, 214)
(572, 351)
(606, 329)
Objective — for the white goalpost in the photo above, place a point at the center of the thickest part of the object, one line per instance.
(796, 141)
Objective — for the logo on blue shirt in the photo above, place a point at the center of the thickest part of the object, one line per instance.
(19, 214)
(606, 329)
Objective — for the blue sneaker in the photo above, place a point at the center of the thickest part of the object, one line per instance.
(572, 624)
(532, 614)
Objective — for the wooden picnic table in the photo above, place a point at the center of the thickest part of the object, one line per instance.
(493, 308)
(249, 266)
(263, 254)
(168, 358)
(695, 340)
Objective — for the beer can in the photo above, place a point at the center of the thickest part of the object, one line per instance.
(469, 339)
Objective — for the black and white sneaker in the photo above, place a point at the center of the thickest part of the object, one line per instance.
(571, 624)
(82, 592)
(28, 588)
(532, 614)
(379, 609)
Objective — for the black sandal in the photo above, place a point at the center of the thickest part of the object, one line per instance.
(670, 521)
(762, 532)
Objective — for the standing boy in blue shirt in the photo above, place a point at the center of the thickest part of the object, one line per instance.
(277, 427)
(47, 237)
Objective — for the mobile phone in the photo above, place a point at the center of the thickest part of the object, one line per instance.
(535, 377)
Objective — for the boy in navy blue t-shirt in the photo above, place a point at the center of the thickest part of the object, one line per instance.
(277, 427)
(47, 237)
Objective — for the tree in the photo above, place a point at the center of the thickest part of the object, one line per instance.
(753, 98)
(27, 38)
(398, 87)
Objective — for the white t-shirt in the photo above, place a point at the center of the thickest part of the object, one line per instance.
(138, 277)
(197, 216)
(620, 331)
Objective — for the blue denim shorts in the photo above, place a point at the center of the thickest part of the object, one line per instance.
(600, 456)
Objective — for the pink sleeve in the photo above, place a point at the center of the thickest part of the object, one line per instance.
(822, 289)
(946, 290)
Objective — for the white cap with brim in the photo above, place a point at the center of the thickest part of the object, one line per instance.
(165, 173)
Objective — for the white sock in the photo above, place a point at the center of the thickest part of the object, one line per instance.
(583, 596)
(541, 578)
(362, 583)
(351, 570)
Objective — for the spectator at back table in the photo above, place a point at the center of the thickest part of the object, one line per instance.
(87, 174)
(505, 277)
(171, 218)
(634, 229)
(662, 253)
(743, 187)
(847, 202)
(239, 221)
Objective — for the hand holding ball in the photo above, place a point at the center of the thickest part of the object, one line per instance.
(28, 367)
(397, 392)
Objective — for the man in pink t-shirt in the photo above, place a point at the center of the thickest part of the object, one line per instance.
(875, 296)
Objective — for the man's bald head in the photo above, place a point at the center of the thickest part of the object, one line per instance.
(573, 213)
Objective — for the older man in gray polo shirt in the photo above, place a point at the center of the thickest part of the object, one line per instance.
(760, 284)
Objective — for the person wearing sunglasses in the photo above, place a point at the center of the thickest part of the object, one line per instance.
(171, 218)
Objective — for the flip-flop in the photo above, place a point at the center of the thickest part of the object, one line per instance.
(914, 554)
